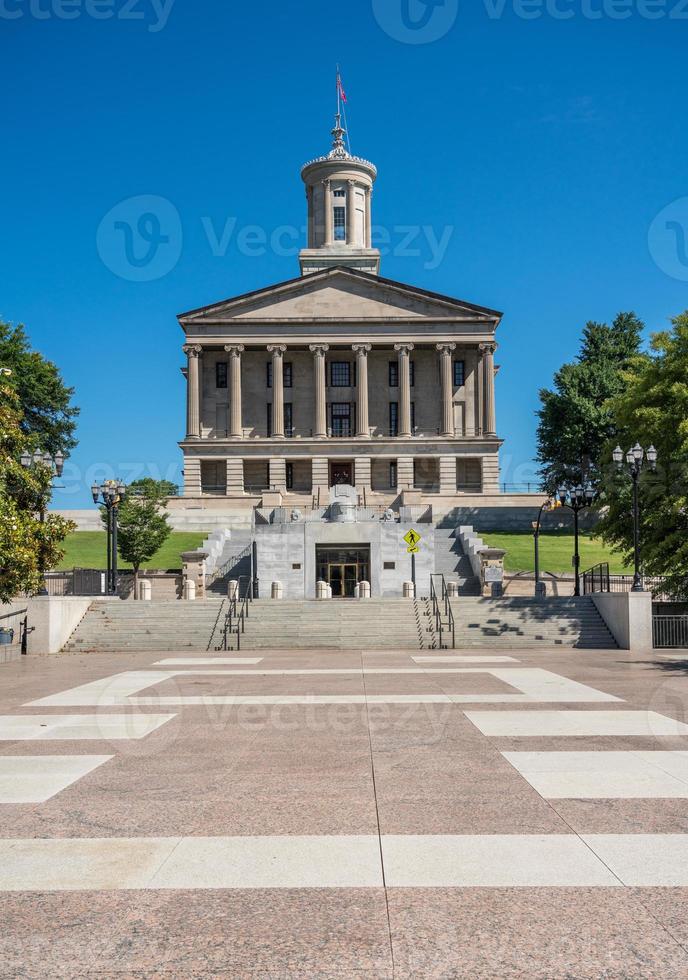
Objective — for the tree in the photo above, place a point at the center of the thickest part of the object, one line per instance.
(575, 420)
(48, 416)
(28, 545)
(653, 408)
(142, 526)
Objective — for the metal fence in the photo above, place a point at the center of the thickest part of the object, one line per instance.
(670, 631)
(599, 579)
(76, 581)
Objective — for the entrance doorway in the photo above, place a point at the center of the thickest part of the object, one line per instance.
(343, 568)
(341, 473)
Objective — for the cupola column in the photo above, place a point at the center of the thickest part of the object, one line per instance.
(350, 212)
(327, 197)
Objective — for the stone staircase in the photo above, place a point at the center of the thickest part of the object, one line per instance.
(235, 559)
(522, 622)
(452, 562)
(303, 624)
(115, 627)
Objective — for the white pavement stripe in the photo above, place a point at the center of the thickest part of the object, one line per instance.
(410, 861)
(201, 699)
(575, 723)
(477, 659)
(75, 727)
(36, 778)
(190, 863)
(182, 661)
(533, 684)
(604, 775)
(651, 860)
(491, 861)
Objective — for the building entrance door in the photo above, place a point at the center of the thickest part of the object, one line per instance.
(343, 568)
(341, 473)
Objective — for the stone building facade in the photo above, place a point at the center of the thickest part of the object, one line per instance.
(340, 376)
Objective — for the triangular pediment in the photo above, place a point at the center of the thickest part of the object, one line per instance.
(338, 294)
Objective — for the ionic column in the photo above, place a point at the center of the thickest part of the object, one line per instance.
(350, 212)
(327, 195)
(404, 351)
(277, 350)
(320, 421)
(235, 351)
(445, 351)
(488, 407)
(311, 230)
(193, 393)
(368, 218)
(362, 425)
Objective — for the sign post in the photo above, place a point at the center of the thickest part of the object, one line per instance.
(412, 539)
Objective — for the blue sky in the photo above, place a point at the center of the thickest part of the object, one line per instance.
(541, 148)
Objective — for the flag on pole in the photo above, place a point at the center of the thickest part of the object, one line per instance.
(340, 88)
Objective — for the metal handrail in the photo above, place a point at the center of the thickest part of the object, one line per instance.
(436, 599)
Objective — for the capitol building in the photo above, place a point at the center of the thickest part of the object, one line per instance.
(339, 376)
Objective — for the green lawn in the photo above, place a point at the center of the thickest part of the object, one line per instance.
(556, 551)
(88, 549)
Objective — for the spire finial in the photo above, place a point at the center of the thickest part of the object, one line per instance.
(338, 133)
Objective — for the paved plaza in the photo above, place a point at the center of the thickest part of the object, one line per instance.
(345, 814)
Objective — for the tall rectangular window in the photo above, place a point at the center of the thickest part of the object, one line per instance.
(221, 374)
(290, 475)
(340, 374)
(394, 418)
(288, 420)
(412, 373)
(393, 374)
(340, 419)
(287, 374)
(393, 475)
(268, 419)
(413, 416)
(459, 374)
(339, 224)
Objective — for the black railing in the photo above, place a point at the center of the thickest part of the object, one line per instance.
(599, 579)
(670, 631)
(14, 629)
(225, 569)
(439, 601)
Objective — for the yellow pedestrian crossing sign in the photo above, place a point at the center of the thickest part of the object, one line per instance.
(412, 539)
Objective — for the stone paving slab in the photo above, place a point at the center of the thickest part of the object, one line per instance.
(261, 832)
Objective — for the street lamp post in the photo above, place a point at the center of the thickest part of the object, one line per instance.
(56, 465)
(635, 460)
(110, 493)
(540, 588)
(576, 499)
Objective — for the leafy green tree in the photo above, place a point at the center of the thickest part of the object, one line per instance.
(48, 415)
(653, 409)
(143, 524)
(29, 545)
(575, 420)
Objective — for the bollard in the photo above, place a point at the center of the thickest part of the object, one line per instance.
(145, 589)
(329, 591)
(276, 590)
(364, 590)
(357, 591)
(409, 590)
(189, 590)
(452, 589)
(321, 590)
(233, 589)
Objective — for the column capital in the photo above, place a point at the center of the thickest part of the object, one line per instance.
(277, 348)
(234, 348)
(487, 348)
(404, 348)
(318, 348)
(445, 348)
(361, 348)
(192, 350)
